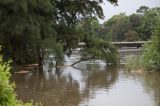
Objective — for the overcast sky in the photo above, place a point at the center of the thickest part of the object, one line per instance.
(127, 6)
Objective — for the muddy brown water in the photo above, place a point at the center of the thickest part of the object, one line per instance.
(89, 84)
(95, 86)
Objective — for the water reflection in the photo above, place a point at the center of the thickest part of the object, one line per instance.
(152, 84)
(62, 88)
(89, 85)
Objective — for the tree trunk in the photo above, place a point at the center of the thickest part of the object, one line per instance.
(40, 59)
(82, 60)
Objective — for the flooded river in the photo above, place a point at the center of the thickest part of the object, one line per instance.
(89, 84)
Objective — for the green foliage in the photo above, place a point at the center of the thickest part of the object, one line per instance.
(131, 36)
(137, 26)
(95, 47)
(132, 63)
(28, 28)
(25, 25)
(150, 19)
(7, 95)
(150, 57)
(135, 21)
(99, 49)
(142, 10)
(116, 27)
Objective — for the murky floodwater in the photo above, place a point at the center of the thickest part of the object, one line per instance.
(92, 85)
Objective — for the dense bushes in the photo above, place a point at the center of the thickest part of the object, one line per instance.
(150, 57)
(7, 95)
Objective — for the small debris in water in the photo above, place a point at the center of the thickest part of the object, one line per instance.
(22, 72)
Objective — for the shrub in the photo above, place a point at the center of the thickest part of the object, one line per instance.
(7, 95)
(150, 57)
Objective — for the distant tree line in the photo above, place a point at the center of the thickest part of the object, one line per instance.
(137, 26)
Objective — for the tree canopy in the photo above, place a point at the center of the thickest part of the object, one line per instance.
(32, 29)
(137, 26)
(25, 26)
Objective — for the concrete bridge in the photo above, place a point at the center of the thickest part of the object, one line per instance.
(124, 44)
(124, 49)
(130, 44)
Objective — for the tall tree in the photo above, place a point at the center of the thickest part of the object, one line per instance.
(69, 15)
(135, 21)
(25, 26)
(142, 10)
(96, 48)
(29, 29)
(117, 26)
(149, 23)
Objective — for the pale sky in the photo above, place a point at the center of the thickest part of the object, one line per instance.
(127, 6)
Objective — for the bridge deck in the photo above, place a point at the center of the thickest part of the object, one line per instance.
(136, 42)
(130, 44)
(124, 44)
